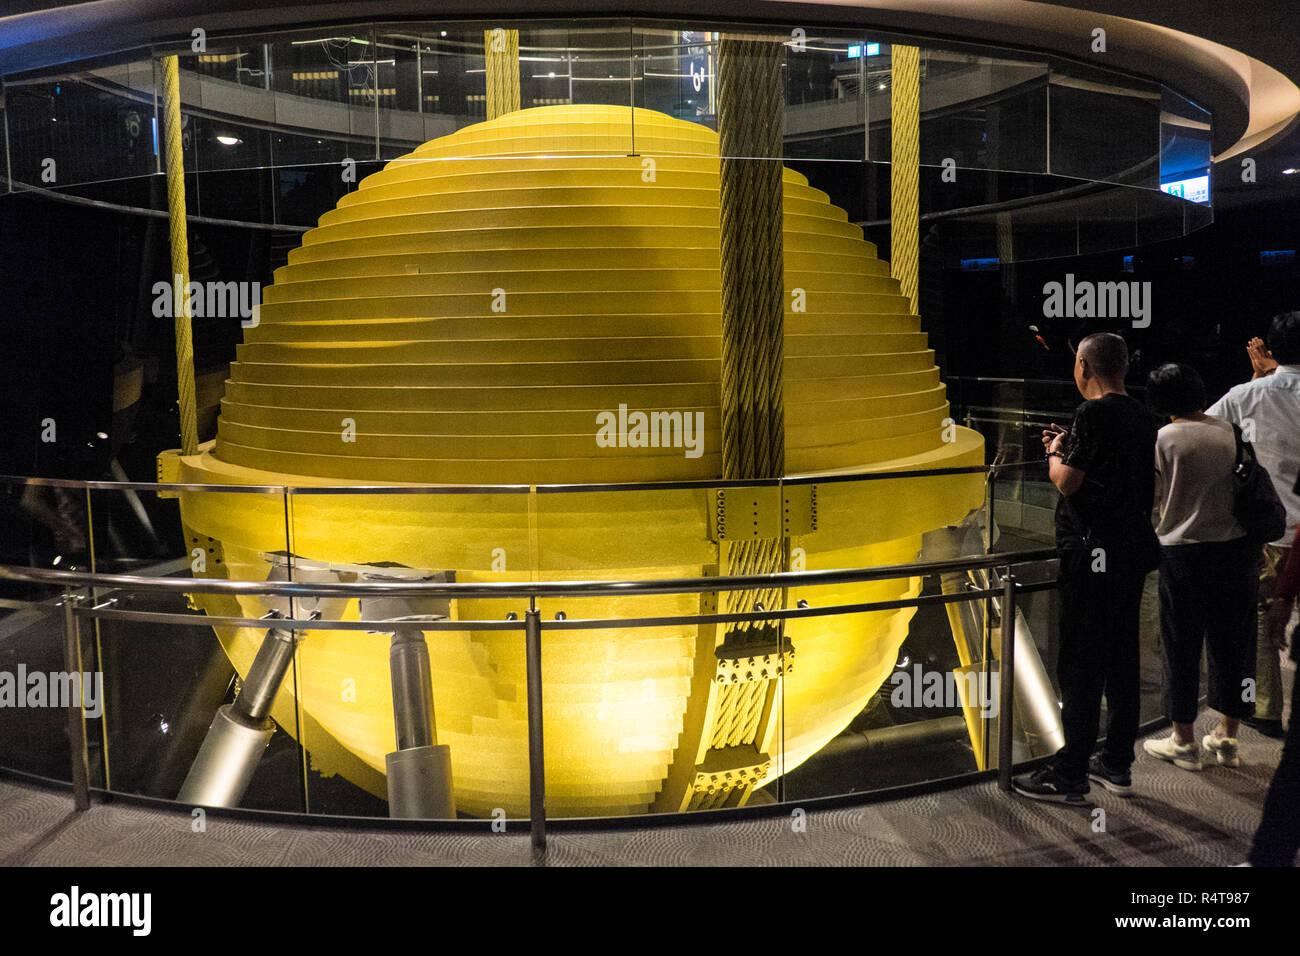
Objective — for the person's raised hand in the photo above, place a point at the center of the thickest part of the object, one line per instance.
(1052, 438)
(1261, 359)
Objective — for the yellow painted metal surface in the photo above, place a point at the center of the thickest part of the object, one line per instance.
(472, 309)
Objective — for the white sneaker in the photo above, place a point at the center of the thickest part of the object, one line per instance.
(1186, 756)
(1225, 748)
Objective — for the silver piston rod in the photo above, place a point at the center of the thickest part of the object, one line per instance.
(408, 663)
(419, 771)
(240, 731)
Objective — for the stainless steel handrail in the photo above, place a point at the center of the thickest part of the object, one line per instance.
(562, 624)
(532, 625)
(75, 608)
(696, 484)
(523, 589)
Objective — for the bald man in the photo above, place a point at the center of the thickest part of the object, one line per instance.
(1104, 468)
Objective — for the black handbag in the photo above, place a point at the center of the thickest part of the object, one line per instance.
(1255, 505)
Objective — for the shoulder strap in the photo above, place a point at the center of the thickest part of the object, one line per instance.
(1241, 447)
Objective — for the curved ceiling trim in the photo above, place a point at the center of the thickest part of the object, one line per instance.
(1252, 102)
(1270, 101)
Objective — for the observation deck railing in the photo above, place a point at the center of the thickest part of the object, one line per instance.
(93, 596)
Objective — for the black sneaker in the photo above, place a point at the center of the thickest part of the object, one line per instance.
(1046, 784)
(1113, 780)
(1269, 728)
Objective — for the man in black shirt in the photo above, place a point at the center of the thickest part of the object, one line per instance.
(1104, 467)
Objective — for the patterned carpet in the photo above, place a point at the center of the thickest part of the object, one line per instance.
(1175, 819)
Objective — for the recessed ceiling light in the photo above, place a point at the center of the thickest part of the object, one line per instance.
(229, 140)
(1290, 172)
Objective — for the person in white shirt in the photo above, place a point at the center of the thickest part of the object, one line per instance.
(1208, 571)
(1267, 409)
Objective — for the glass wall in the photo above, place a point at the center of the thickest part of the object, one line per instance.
(277, 127)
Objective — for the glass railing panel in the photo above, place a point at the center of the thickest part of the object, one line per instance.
(430, 535)
(36, 684)
(1023, 503)
(152, 728)
(838, 663)
(929, 710)
(376, 748)
(222, 144)
(201, 531)
(46, 524)
(47, 527)
(302, 193)
(626, 706)
(138, 531)
(831, 712)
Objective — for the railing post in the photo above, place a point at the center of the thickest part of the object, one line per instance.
(990, 490)
(1006, 681)
(536, 756)
(76, 714)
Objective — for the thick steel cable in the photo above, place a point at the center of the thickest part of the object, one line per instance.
(174, 149)
(905, 170)
(753, 280)
(752, 266)
(501, 72)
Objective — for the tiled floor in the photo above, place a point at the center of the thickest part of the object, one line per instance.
(1176, 819)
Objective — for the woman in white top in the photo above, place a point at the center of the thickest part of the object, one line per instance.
(1208, 571)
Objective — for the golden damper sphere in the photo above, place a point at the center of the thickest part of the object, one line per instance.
(471, 315)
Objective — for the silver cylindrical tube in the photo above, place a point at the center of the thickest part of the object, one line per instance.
(226, 762)
(265, 676)
(412, 678)
(1037, 703)
(420, 785)
(76, 715)
(536, 750)
(1006, 674)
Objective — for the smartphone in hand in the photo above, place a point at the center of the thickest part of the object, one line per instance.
(1051, 433)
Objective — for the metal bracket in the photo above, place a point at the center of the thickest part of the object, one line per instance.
(739, 514)
(169, 471)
